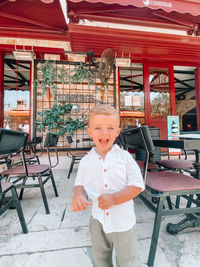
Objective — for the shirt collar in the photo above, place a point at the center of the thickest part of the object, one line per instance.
(115, 147)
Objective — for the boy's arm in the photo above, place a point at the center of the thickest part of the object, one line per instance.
(108, 200)
(79, 201)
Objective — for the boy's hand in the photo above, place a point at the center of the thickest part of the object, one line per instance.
(80, 203)
(106, 201)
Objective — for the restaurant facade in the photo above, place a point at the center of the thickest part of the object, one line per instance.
(156, 51)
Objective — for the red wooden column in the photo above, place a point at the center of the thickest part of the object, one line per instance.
(197, 86)
(1, 90)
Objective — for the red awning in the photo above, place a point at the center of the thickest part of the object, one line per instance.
(180, 6)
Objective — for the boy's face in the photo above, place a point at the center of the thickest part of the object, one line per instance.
(104, 129)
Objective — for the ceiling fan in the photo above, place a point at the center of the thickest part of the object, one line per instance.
(106, 65)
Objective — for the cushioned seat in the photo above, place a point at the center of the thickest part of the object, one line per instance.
(5, 186)
(79, 154)
(169, 181)
(3, 156)
(32, 170)
(150, 166)
(176, 164)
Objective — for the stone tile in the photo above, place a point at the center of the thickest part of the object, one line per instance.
(62, 237)
(59, 258)
(45, 241)
(75, 219)
(160, 260)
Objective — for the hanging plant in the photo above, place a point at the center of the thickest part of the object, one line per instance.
(58, 118)
(82, 73)
(64, 76)
(48, 79)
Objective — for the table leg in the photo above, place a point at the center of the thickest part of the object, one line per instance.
(197, 164)
(189, 221)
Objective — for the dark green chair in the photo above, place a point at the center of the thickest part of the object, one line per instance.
(11, 141)
(31, 155)
(40, 173)
(75, 156)
(50, 144)
(165, 186)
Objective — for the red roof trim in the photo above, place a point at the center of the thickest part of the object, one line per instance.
(180, 6)
(135, 44)
(38, 50)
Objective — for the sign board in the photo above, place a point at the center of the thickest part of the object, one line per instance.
(128, 101)
(136, 100)
(173, 129)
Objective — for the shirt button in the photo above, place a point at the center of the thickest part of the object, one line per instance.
(105, 170)
(107, 213)
(106, 185)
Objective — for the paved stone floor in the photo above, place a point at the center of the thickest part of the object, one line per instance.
(61, 239)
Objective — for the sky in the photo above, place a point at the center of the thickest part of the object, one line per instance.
(11, 97)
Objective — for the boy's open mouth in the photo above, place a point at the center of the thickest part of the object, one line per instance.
(103, 142)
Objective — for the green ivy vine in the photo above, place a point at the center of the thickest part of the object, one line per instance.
(48, 79)
(58, 118)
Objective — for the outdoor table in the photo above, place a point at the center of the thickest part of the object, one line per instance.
(187, 142)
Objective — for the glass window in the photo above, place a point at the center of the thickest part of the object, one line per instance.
(16, 94)
(159, 92)
(132, 89)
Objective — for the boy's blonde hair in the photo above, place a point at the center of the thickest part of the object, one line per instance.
(103, 109)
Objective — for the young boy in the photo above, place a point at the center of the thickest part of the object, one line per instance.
(111, 178)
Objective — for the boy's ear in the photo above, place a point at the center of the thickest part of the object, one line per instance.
(89, 131)
(118, 131)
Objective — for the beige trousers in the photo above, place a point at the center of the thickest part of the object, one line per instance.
(125, 244)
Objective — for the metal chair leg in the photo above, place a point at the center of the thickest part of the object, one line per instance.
(22, 189)
(19, 210)
(38, 160)
(54, 184)
(169, 203)
(177, 202)
(156, 229)
(43, 195)
(71, 167)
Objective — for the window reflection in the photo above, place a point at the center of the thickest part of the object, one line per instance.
(132, 89)
(159, 92)
(16, 93)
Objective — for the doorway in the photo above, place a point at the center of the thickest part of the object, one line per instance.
(146, 95)
(16, 94)
(131, 95)
(184, 81)
(160, 96)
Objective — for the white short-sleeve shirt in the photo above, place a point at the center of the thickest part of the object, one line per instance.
(117, 171)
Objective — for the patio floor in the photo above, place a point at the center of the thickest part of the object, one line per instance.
(61, 239)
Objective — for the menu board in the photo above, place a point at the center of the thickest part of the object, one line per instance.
(173, 129)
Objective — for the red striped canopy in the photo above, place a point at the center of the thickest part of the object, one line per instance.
(180, 6)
